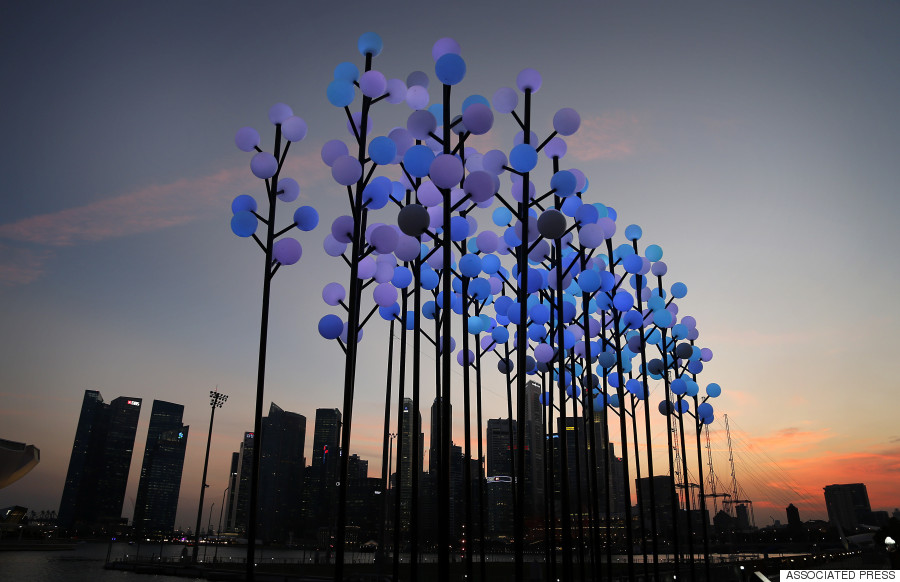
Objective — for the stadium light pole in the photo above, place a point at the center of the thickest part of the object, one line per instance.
(216, 400)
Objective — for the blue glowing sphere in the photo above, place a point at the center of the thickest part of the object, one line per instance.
(370, 43)
(244, 223)
(331, 327)
(306, 217)
(382, 150)
(340, 93)
(417, 160)
(523, 158)
(346, 72)
(450, 69)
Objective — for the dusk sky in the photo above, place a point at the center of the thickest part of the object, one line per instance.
(757, 142)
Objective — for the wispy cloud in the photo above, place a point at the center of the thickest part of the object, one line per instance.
(19, 266)
(792, 439)
(29, 241)
(612, 136)
(148, 209)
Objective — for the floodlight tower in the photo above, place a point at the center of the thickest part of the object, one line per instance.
(216, 400)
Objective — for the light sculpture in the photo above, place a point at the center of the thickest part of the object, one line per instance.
(279, 250)
(563, 311)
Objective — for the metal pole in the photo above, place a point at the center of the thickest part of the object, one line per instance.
(216, 401)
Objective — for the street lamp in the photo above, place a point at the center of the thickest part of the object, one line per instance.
(216, 400)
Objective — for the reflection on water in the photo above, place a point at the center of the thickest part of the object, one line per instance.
(83, 564)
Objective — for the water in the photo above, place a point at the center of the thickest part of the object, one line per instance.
(83, 564)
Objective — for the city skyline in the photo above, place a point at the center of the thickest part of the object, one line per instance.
(758, 151)
(284, 468)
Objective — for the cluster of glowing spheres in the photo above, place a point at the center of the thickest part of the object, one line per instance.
(264, 165)
(583, 298)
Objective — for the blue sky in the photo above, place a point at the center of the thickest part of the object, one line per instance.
(756, 143)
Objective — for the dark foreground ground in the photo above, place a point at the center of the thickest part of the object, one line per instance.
(743, 571)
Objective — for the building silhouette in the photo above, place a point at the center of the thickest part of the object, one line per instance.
(499, 502)
(281, 474)
(534, 451)
(233, 481)
(94, 492)
(320, 499)
(586, 455)
(160, 483)
(500, 442)
(793, 515)
(663, 487)
(240, 509)
(409, 464)
(847, 505)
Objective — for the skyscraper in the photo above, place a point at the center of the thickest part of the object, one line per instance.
(534, 451)
(500, 447)
(848, 505)
(101, 458)
(499, 494)
(241, 509)
(281, 473)
(434, 447)
(412, 431)
(793, 518)
(663, 491)
(157, 495)
(233, 480)
(321, 493)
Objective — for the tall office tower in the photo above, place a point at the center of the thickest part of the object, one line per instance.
(157, 495)
(793, 517)
(499, 504)
(321, 496)
(616, 482)
(586, 454)
(457, 492)
(434, 458)
(411, 428)
(75, 506)
(101, 458)
(847, 505)
(326, 441)
(281, 474)
(232, 492)
(577, 461)
(430, 483)
(358, 469)
(534, 451)
(365, 502)
(242, 502)
(663, 490)
(500, 447)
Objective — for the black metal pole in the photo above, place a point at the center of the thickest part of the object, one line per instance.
(446, 315)
(654, 528)
(623, 426)
(673, 496)
(385, 448)
(687, 490)
(359, 216)
(203, 485)
(702, 508)
(521, 354)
